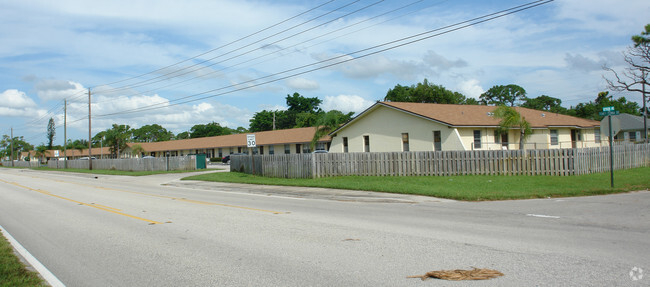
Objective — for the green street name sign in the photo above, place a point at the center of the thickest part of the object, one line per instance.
(608, 113)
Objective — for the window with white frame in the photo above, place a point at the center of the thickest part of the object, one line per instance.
(554, 137)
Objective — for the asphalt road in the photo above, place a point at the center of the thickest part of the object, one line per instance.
(159, 231)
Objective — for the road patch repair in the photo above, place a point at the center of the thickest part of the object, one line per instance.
(459, 274)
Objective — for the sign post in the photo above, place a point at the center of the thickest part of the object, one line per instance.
(251, 143)
(609, 112)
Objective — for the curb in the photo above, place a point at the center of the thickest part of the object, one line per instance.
(45, 273)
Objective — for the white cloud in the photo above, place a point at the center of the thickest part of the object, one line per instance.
(471, 88)
(346, 103)
(15, 99)
(51, 89)
(15, 103)
(441, 63)
(302, 84)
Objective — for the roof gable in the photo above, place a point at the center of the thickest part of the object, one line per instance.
(476, 115)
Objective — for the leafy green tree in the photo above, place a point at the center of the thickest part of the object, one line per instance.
(263, 121)
(300, 104)
(79, 144)
(590, 110)
(327, 123)
(183, 136)
(509, 95)
(19, 145)
(426, 92)
(302, 112)
(137, 150)
(51, 132)
(208, 130)
(545, 103)
(117, 137)
(510, 119)
(152, 133)
(400, 94)
(39, 152)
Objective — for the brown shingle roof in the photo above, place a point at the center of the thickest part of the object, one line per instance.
(472, 115)
(289, 136)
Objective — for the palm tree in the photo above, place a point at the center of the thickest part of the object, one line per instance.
(510, 119)
(137, 150)
(327, 123)
(40, 152)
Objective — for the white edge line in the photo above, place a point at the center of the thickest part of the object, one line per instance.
(45, 273)
(542, 216)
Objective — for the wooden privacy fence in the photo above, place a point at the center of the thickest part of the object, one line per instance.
(441, 163)
(132, 164)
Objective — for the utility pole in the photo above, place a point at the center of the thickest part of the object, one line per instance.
(65, 133)
(90, 142)
(12, 147)
(645, 111)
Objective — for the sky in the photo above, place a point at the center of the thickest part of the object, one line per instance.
(182, 63)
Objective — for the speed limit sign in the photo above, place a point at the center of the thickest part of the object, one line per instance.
(250, 141)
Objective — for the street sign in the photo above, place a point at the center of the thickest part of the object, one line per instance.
(608, 113)
(608, 109)
(250, 141)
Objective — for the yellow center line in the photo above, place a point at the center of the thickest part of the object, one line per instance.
(100, 207)
(181, 199)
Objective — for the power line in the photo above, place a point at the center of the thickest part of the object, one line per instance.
(346, 57)
(285, 48)
(163, 77)
(222, 46)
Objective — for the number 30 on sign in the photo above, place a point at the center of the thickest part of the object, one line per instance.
(250, 141)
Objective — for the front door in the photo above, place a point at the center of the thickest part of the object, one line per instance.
(573, 138)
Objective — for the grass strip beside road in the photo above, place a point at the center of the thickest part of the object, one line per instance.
(12, 271)
(468, 187)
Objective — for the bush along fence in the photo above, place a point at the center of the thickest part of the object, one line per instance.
(130, 164)
(562, 162)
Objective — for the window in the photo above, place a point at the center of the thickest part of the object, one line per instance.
(597, 135)
(298, 146)
(320, 146)
(497, 137)
(437, 141)
(305, 148)
(632, 136)
(261, 150)
(366, 143)
(287, 149)
(345, 144)
(271, 150)
(405, 142)
(220, 152)
(477, 139)
(554, 139)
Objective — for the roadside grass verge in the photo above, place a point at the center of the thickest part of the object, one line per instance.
(12, 271)
(469, 187)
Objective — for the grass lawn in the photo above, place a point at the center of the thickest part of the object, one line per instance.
(469, 187)
(12, 271)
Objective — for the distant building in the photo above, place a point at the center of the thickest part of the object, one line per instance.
(631, 127)
(289, 141)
